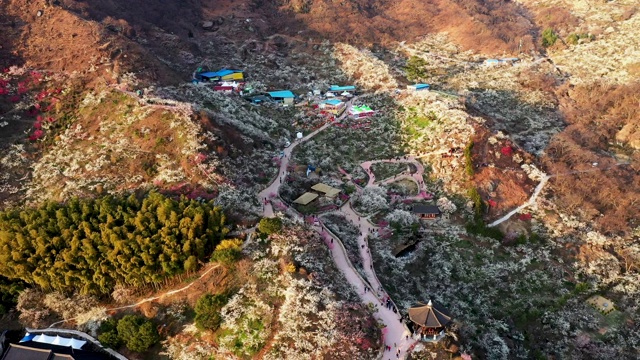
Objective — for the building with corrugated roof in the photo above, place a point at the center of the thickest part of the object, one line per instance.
(282, 96)
(306, 198)
(325, 189)
(221, 75)
(418, 87)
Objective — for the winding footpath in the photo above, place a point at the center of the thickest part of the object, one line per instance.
(395, 334)
(149, 299)
(529, 202)
(538, 189)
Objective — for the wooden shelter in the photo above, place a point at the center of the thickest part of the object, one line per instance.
(426, 211)
(306, 198)
(429, 321)
(327, 190)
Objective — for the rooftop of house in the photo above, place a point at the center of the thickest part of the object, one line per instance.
(281, 94)
(425, 209)
(420, 86)
(360, 109)
(306, 198)
(333, 102)
(221, 72)
(342, 88)
(326, 189)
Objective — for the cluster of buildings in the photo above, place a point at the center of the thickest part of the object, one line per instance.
(224, 80)
(233, 81)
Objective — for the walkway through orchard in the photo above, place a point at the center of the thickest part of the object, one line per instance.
(396, 334)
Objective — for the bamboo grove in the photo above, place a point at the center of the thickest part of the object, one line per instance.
(91, 245)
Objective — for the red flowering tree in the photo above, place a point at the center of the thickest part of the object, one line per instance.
(507, 151)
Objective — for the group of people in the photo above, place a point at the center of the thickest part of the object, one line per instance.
(389, 304)
(388, 348)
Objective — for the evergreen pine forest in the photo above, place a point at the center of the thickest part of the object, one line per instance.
(91, 245)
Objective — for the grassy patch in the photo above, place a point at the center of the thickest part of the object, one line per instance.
(386, 170)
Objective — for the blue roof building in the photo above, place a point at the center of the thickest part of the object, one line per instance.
(283, 96)
(348, 88)
(222, 74)
(418, 87)
(334, 102)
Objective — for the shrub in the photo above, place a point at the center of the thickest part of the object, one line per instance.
(270, 226)
(468, 159)
(415, 68)
(478, 227)
(574, 38)
(349, 189)
(581, 288)
(109, 334)
(208, 311)
(534, 238)
(228, 251)
(478, 205)
(137, 333)
(9, 291)
(549, 37)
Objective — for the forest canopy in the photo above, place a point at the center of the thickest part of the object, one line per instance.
(90, 245)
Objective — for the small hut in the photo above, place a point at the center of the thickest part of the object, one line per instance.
(429, 321)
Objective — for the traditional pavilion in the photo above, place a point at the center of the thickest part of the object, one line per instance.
(429, 321)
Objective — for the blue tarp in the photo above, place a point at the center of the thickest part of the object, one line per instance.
(420, 86)
(342, 88)
(281, 94)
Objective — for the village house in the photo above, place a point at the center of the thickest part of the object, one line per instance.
(228, 87)
(361, 112)
(285, 97)
(426, 211)
(348, 90)
(429, 321)
(258, 98)
(418, 87)
(221, 75)
(334, 106)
